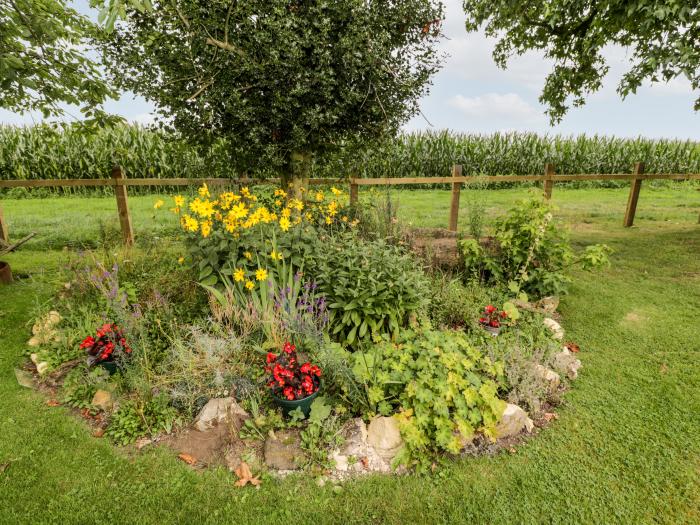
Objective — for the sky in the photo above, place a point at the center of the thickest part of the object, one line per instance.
(471, 94)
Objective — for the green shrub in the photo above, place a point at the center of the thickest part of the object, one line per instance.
(530, 250)
(443, 388)
(136, 418)
(372, 288)
(80, 385)
(454, 304)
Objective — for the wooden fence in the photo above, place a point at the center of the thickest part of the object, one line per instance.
(120, 183)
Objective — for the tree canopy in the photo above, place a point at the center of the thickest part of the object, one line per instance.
(282, 80)
(663, 37)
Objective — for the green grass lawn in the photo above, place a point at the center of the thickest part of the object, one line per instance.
(625, 449)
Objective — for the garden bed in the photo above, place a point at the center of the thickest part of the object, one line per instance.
(273, 300)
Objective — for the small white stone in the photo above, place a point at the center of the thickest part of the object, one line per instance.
(555, 328)
(513, 421)
(384, 436)
(218, 410)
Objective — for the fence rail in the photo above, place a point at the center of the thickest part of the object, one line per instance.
(120, 184)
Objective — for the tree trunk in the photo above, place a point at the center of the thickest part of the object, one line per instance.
(295, 180)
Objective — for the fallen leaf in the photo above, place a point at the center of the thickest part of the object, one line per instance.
(245, 476)
(365, 462)
(573, 347)
(53, 403)
(664, 368)
(98, 433)
(549, 416)
(512, 450)
(3, 467)
(190, 460)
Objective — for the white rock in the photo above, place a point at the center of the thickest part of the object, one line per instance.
(357, 455)
(514, 420)
(218, 410)
(550, 377)
(566, 363)
(384, 436)
(555, 328)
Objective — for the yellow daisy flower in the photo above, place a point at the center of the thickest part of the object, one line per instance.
(261, 274)
(239, 275)
(285, 224)
(158, 205)
(250, 285)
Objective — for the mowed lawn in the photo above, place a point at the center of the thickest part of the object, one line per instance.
(625, 449)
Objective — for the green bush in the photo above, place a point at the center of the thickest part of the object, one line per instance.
(136, 418)
(454, 304)
(372, 288)
(529, 252)
(443, 388)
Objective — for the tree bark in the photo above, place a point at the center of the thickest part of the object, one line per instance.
(295, 180)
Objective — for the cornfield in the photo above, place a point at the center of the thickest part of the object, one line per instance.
(45, 152)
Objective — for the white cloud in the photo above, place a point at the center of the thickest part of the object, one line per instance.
(510, 106)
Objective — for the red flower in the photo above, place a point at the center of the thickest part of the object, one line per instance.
(495, 323)
(305, 368)
(490, 309)
(289, 393)
(316, 371)
(88, 342)
(483, 320)
(504, 315)
(270, 357)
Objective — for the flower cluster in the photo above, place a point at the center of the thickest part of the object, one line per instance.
(289, 379)
(492, 317)
(109, 344)
(235, 213)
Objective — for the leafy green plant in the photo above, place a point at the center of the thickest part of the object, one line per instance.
(321, 434)
(442, 388)
(531, 250)
(372, 288)
(80, 385)
(136, 418)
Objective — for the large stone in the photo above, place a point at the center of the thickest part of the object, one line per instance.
(549, 304)
(567, 363)
(217, 411)
(24, 378)
(283, 450)
(513, 422)
(549, 377)
(384, 436)
(103, 400)
(555, 328)
(356, 455)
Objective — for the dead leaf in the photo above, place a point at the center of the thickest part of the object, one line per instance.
(3, 467)
(512, 450)
(98, 433)
(664, 368)
(549, 416)
(190, 460)
(573, 347)
(245, 476)
(53, 403)
(365, 462)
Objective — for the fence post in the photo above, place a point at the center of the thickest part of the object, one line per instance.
(4, 235)
(633, 198)
(123, 205)
(454, 206)
(354, 192)
(548, 182)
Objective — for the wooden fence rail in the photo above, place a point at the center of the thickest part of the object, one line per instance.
(120, 183)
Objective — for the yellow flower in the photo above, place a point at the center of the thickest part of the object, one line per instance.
(239, 275)
(296, 204)
(181, 260)
(261, 274)
(206, 228)
(249, 285)
(319, 196)
(204, 190)
(280, 193)
(179, 201)
(278, 203)
(245, 192)
(336, 191)
(276, 256)
(285, 224)
(248, 255)
(189, 223)
(344, 218)
(158, 205)
(329, 220)
(286, 213)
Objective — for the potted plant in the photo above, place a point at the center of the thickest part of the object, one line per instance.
(492, 319)
(293, 385)
(108, 349)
